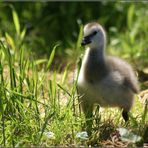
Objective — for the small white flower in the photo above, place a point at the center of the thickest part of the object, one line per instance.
(128, 136)
(82, 135)
(49, 134)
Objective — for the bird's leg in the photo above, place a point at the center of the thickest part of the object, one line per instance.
(89, 122)
(88, 111)
(125, 115)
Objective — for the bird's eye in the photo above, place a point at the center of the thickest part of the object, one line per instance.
(95, 32)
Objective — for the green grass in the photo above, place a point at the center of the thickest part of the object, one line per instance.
(34, 102)
(39, 105)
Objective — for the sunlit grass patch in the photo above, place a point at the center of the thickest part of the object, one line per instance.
(39, 107)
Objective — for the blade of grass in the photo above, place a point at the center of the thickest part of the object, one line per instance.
(51, 58)
(10, 41)
(78, 44)
(65, 75)
(45, 124)
(2, 105)
(16, 20)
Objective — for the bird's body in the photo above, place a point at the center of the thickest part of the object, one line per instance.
(104, 80)
(106, 85)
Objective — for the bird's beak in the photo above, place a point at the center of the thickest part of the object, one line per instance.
(86, 40)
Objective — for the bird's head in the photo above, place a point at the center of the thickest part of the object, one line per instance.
(94, 36)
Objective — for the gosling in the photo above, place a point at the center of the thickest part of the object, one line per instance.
(104, 80)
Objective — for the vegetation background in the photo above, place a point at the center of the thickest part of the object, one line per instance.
(39, 50)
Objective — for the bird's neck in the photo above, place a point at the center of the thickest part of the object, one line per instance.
(95, 67)
(96, 55)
